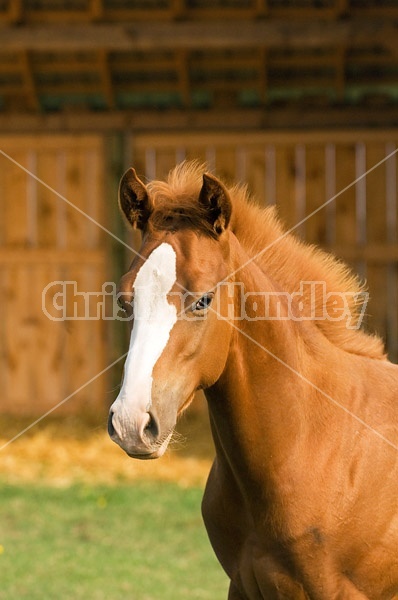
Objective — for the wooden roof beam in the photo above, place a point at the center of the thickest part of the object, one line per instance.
(182, 68)
(193, 35)
(29, 82)
(236, 120)
(106, 78)
(341, 7)
(178, 8)
(340, 65)
(96, 9)
(15, 11)
(263, 75)
(262, 8)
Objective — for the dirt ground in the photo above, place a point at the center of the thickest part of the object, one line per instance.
(66, 451)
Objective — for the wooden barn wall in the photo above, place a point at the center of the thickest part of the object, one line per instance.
(299, 172)
(43, 239)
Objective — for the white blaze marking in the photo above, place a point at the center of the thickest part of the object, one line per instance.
(154, 318)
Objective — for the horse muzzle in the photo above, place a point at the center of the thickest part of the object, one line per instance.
(138, 435)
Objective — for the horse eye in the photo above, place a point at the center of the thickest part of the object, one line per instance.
(204, 302)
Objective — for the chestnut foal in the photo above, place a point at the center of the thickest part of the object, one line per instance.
(302, 498)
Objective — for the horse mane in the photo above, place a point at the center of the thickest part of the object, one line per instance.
(279, 254)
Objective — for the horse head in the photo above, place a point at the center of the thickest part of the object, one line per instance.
(180, 334)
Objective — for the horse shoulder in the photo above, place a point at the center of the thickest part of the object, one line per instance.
(225, 518)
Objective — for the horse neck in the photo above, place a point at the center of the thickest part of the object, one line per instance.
(258, 406)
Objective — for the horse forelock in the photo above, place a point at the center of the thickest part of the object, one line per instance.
(175, 201)
(280, 255)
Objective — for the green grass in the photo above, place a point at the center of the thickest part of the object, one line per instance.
(143, 541)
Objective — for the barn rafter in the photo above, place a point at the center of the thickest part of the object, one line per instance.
(186, 57)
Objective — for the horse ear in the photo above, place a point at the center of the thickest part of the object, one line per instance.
(134, 200)
(214, 197)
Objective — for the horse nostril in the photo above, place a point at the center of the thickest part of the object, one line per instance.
(151, 428)
(111, 429)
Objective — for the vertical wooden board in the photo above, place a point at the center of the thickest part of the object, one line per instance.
(95, 329)
(101, 395)
(47, 200)
(16, 223)
(391, 166)
(98, 399)
(396, 178)
(152, 162)
(286, 184)
(256, 173)
(226, 164)
(75, 192)
(136, 157)
(376, 310)
(82, 357)
(198, 152)
(300, 158)
(376, 194)
(3, 206)
(270, 174)
(93, 185)
(19, 349)
(61, 205)
(121, 154)
(391, 183)
(204, 154)
(3, 320)
(315, 226)
(31, 197)
(48, 337)
(241, 164)
(166, 159)
(77, 365)
(376, 221)
(80, 179)
(347, 220)
(330, 193)
(120, 157)
(345, 201)
(392, 312)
